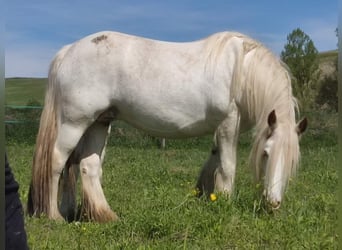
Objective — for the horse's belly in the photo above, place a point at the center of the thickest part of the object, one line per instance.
(175, 121)
(170, 129)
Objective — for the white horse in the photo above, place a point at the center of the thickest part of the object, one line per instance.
(222, 85)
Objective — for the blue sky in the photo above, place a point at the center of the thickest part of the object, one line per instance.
(35, 30)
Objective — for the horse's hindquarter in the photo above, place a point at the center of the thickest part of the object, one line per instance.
(162, 88)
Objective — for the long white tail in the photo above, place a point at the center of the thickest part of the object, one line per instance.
(38, 198)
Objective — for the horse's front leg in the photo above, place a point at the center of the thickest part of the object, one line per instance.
(219, 170)
(227, 137)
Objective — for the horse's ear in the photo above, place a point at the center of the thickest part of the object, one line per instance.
(272, 120)
(301, 126)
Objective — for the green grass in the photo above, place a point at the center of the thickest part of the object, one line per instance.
(151, 190)
(20, 91)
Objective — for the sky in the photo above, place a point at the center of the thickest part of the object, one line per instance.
(35, 30)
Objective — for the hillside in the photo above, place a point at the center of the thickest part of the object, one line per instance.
(20, 91)
(327, 62)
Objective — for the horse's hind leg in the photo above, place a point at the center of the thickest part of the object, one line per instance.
(67, 139)
(95, 205)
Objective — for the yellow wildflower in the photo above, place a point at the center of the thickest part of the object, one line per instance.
(213, 197)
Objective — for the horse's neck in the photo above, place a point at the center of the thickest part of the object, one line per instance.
(248, 117)
(256, 117)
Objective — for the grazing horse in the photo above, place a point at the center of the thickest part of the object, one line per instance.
(223, 84)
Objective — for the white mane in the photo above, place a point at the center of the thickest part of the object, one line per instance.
(266, 86)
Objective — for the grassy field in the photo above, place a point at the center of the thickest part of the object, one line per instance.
(21, 91)
(152, 192)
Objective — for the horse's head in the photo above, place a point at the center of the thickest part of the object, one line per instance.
(275, 156)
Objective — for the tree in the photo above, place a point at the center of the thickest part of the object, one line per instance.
(301, 56)
(327, 95)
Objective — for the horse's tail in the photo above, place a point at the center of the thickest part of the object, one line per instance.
(39, 193)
